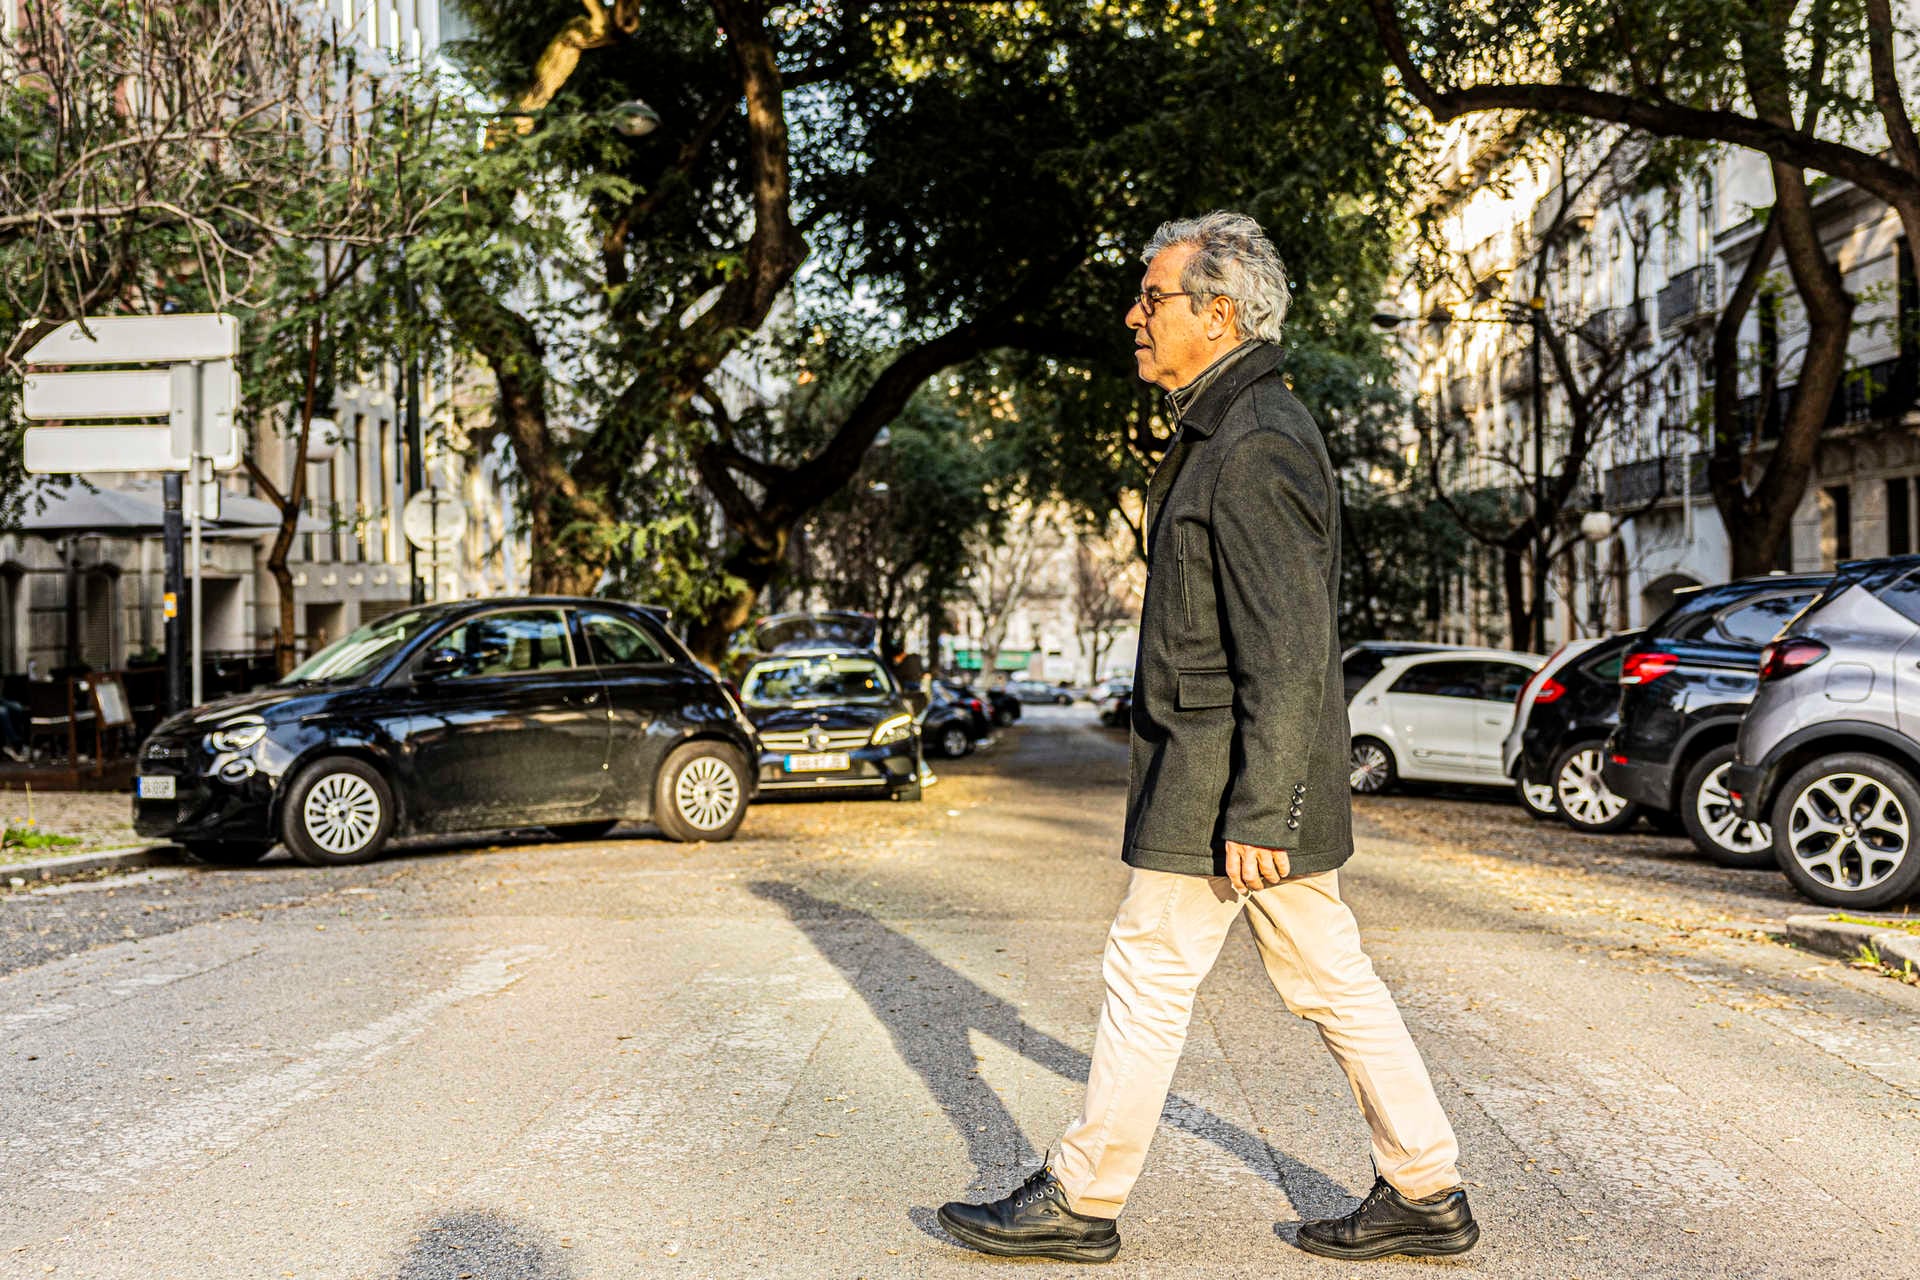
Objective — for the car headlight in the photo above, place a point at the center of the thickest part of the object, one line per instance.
(893, 730)
(237, 735)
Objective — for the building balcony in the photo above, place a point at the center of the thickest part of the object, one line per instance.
(1608, 330)
(1637, 484)
(1688, 297)
(1857, 400)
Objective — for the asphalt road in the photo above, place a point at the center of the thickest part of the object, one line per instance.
(775, 1057)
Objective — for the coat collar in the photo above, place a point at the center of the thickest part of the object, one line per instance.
(1204, 414)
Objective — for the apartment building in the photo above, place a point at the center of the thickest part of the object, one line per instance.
(81, 576)
(1632, 276)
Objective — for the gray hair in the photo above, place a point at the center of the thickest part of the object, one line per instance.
(1233, 260)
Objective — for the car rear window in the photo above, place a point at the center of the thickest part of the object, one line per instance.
(1903, 595)
(1748, 624)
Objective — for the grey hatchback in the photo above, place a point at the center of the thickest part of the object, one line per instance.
(1829, 750)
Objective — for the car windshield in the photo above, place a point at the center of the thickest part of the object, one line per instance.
(354, 655)
(808, 682)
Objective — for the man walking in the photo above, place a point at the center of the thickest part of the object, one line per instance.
(1238, 796)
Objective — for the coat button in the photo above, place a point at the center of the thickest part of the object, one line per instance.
(1293, 824)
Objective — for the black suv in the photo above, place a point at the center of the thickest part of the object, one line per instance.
(1684, 684)
(1566, 712)
(570, 714)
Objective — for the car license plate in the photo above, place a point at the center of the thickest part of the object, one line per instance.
(823, 763)
(156, 788)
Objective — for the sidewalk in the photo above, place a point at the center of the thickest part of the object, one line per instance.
(99, 820)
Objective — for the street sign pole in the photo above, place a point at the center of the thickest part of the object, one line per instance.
(198, 401)
(170, 604)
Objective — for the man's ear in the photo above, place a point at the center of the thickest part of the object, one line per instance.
(1219, 318)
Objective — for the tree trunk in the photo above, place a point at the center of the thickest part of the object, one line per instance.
(1513, 575)
(753, 566)
(1758, 520)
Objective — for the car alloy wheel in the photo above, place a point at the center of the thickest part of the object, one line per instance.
(1369, 767)
(1537, 799)
(1713, 807)
(341, 814)
(1586, 801)
(706, 793)
(953, 741)
(1849, 831)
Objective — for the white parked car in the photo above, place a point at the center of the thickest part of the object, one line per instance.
(1436, 717)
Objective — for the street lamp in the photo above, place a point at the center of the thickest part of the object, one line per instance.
(1529, 313)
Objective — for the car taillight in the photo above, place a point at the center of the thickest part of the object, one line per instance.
(1550, 691)
(1784, 657)
(1540, 673)
(1640, 668)
(975, 704)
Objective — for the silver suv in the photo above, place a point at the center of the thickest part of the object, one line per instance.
(1829, 750)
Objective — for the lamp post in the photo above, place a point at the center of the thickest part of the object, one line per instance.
(1596, 527)
(1529, 313)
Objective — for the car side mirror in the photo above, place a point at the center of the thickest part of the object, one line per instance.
(439, 664)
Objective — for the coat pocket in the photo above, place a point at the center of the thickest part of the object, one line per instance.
(1197, 689)
(1180, 558)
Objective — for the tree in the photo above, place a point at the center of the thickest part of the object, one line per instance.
(1104, 596)
(896, 541)
(1767, 75)
(937, 180)
(208, 155)
(1003, 571)
(1595, 366)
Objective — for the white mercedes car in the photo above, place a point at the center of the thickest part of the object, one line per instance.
(1436, 717)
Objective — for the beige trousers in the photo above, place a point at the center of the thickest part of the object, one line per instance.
(1164, 940)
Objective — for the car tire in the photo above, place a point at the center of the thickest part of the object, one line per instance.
(700, 792)
(1536, 799)
(1707, 811)
(1063, 701)
(1004, 717)
(227, 853)
(1585, 801)
(1825, 812)
(582, 830)
(338, 812)
(953, 742)
(1370, 767)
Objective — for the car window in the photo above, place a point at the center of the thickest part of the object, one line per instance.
(512, 642)
(1752, 623)
(1608, 667)
(815, 681)
(1904, 596)
(1502, 681)
(614, 641)
(1455, 679)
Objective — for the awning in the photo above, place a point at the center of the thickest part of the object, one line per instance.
(136, 509)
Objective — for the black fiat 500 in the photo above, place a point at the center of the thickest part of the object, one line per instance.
(571, 714)
(832, 719)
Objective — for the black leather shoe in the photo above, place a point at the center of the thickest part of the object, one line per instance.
(1032, 1221)
(1387, 1222)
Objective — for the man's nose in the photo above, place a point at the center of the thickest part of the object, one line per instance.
(1136, 317)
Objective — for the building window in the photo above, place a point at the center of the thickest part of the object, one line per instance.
(1900, 516)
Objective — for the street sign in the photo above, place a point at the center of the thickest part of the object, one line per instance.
(219, 388)
(433, 517)
(137, 393)
(116, 446)
(139, 340)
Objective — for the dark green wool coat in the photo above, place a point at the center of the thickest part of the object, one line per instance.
(1239, 716)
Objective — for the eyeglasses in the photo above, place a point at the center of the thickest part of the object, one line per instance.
(1150, 300)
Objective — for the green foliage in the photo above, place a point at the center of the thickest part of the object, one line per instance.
(952, 165)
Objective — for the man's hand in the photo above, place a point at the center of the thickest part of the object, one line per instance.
(1251, 867)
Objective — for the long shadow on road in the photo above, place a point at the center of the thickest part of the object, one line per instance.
(929, 1009)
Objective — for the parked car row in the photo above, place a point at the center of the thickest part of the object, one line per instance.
(1775, 720)
(572, 714)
